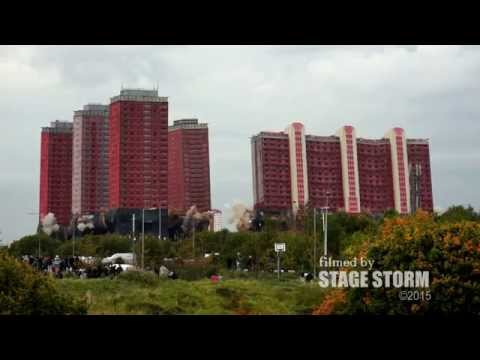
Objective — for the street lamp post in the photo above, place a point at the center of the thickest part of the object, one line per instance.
(325, 224)
(315, 242)
(159, 223)
(193, 237)
(325, 228)
(278, 265)
(143, 237)
(73, 235)
(324, 211)
(294, 215)
(133, 240)
(36, 213)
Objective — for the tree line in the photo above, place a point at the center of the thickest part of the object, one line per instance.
(253, 250)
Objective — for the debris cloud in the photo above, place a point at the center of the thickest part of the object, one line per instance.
(49, 224)
(241, 217)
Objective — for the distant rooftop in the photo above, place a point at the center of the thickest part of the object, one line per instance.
(92, 109)
(95, 107)
(187, 124)
(59, 126)
(335, 138)
(417, 141)
(381, 141)
(139, 95)
(271, 134)
(331, 138)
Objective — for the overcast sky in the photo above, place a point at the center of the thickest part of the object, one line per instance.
(430, 91)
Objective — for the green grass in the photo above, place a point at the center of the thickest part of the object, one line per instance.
(231, 296)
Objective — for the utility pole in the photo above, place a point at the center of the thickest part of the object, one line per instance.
(143, 237)
(314, 242)
(35, 213)
(193, 239)
(133, 239)
(278, 265)
(325, 231)
(325, 225)
(73, 235)
(160, 223)
(294, 214)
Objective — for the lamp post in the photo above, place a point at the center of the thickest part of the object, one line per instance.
(133, 240)
(36, 213)
(143, 236)
(324, 211)
(325, 224)
(315, 242)
(193, 237)
(294, 214)
(143, 233)
(159, 223)
(74, 233)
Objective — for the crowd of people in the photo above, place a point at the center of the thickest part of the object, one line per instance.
(73, 265)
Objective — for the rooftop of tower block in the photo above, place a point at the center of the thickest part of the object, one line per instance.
(139, 95)
(373, 141)
(417, 141)
(95, 107)
(92, 109)
(187, 124)
(59, 126)
(335, 138)
(331, 138)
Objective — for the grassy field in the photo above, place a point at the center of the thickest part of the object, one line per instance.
(231, 296)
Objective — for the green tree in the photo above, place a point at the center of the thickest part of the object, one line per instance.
(28, 245)
(97, 245)
(459, 213)
(156, 251)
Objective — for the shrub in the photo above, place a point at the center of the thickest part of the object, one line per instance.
(195, 270)
(24, 291)
(449, 251)
(140, 277)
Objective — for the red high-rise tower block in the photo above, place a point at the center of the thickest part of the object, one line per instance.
(188, 166)
(56, 171)
(138, 150)
(342, 172)
(90, 160)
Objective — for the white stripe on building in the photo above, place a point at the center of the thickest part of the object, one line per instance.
(401, 183)
(298, 165)
(351, 187)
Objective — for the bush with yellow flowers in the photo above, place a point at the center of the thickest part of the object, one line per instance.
(450, 251)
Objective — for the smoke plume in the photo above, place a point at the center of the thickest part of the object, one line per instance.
(49, 224)
(241, 217)
(85, 222)
(192, 218)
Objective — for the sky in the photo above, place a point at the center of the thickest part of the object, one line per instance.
(430, 91)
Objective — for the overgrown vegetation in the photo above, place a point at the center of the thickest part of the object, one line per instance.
(126, 295)
(24, 291)
(446, 246)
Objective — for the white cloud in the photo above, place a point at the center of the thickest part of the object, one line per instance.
(432, 91)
